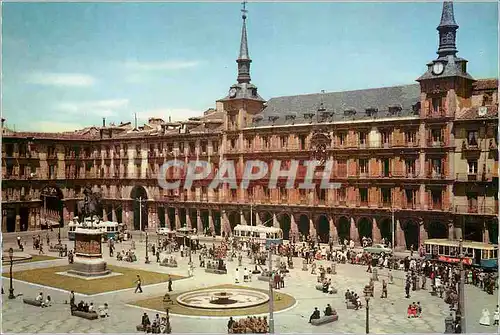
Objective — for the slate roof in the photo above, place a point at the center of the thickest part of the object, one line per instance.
(486, 84)
(473, 113)
(405, 97)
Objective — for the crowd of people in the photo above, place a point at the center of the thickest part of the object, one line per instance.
(158, 326)
(248, 325)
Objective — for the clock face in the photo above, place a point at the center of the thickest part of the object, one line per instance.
(232, 92)
(438, 68)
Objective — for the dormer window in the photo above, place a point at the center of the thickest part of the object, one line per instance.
(394, 110)
(371, 111)
(416, 108)
(350, 112)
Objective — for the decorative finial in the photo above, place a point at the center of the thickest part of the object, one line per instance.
(244, 9)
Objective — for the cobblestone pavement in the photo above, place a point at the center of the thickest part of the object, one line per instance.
(386, 315)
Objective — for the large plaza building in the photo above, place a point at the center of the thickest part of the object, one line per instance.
(423, 155)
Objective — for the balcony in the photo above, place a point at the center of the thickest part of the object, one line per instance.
(435, 175)
(436, 206)
(436, 114)
(475, 209)
(472, 146)
(409, 204)
(474, 177)
(435, 143)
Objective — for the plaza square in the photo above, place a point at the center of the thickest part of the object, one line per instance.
(152, 185)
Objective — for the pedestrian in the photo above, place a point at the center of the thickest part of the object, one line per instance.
(170, 284)
(157, 256)
(138, 287)
(424, 279)
(72, 298)
(391, 278)
(496, 317)
(407, 289)
(384, 289)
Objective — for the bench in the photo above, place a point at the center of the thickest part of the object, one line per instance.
(325, 319)
(350, 305)
(32, 302)
(216, 271)
(169, 265)
(86, 315)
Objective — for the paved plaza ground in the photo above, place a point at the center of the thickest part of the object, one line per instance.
(386, 315)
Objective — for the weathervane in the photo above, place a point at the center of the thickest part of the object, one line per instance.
(244, 10)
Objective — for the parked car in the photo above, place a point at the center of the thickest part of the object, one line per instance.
(378, 249)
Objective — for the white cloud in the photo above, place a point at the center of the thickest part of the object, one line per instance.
(61, 79)
(102, 108)
(177, 114)
(54, 126)
(161, 66)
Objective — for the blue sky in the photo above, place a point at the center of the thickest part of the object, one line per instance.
(66, 65)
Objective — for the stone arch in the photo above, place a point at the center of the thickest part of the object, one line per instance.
(365, 227)
(205, 221)
(133, 189)
(285, 221)
(304, 224)
(412, 231)
(437, 229)
(323, 224)
(344, 229)
(234, 219)
(140, 207)
(52, 206)
(473, 229)
(492, 227)
(193, 217)
(171, 217)
(266, 218)
(386, 229)
(217, 222)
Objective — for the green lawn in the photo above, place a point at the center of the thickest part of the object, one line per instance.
(49, 277)
(281, 301)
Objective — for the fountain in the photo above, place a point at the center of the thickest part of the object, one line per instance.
(228, 298)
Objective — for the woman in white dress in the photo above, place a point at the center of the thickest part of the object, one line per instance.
(485, 318)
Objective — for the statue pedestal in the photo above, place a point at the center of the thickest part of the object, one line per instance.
(88, 260)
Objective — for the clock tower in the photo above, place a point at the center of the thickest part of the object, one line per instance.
(242, 101)
(446, 86)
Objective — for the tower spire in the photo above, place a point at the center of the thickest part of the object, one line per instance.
(447, 31)
(243, 58)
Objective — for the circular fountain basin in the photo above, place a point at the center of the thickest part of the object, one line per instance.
(222, 298)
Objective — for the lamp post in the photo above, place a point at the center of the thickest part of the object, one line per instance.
(368, 292)
(147, 256)
(166, 302)
(271, 294)
(11, 258)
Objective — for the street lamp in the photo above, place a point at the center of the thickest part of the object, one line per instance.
(11, 258)
(368, 293)
(147, 257)
(166, 302)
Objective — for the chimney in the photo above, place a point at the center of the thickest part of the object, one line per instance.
(104, 122)
(169, 119)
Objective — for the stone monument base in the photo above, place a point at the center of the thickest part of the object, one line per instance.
(89, 267)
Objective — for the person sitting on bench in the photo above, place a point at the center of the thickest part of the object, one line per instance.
(315, 315)
(145, 321)
(328, 310)
(48, 302)
(40, 298)
(80, 306)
